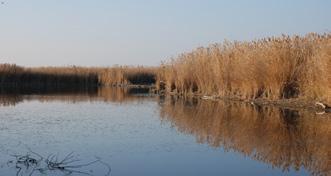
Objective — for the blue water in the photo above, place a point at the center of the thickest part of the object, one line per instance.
(132, 136)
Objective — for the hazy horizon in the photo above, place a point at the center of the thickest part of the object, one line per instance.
(105, 32)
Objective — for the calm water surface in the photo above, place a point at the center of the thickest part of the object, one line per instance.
(137, 134)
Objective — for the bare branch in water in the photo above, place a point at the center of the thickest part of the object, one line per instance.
(33, 162)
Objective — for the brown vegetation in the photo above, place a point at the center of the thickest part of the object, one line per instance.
(123, 75)
(14, 75)
(271, 68)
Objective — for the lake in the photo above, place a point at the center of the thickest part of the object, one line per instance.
(114, 131)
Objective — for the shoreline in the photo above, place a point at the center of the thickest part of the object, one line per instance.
(291, 103)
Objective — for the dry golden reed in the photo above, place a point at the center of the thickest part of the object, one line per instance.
(271, 68)
(120, 75)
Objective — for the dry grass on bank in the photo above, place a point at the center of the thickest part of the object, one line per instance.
(271, 68)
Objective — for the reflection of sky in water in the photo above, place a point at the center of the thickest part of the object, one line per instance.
(129, 136)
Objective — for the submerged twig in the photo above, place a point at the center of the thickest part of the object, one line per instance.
(28, 164)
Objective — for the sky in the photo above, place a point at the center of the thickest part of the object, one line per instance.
(143, 32)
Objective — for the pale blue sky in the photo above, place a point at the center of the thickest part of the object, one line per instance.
(108, 32)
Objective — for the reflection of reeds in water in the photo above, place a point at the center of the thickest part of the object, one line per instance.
(282, 138)
(12, 95)
(73, 95)
(10, 100)
(119, 95)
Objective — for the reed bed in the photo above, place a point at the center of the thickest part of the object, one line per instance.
(271, 68)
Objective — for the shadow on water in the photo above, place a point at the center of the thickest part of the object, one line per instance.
(283, 138)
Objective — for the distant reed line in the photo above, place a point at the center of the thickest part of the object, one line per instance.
(13, 75)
